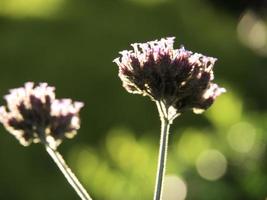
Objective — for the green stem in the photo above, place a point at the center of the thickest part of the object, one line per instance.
(72, 179)
(165, 126)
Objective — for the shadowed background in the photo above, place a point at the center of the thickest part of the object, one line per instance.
(71, 44)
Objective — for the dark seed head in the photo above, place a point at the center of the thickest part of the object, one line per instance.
(33, 114)
(179, 78)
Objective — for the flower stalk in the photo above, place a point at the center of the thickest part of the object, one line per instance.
(162, 159)
(69, 175)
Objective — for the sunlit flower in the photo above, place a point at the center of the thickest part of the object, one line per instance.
(178, 78)
(33, 114)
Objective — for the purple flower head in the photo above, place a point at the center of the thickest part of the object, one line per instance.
(33, 114)
(178, 78)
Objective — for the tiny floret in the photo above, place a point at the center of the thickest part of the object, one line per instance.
(33, 114)
(178, 78)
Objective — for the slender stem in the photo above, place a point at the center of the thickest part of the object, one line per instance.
(165, 125)
(72, 179)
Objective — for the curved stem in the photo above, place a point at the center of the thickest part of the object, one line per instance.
(72, 179)
(165, 125)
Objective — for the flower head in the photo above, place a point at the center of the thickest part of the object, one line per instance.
(178, 78)
(33, 114)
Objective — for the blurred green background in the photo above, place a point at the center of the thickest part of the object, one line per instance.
(71, 44)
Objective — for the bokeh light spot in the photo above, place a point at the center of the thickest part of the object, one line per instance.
(29, 8)
(191, 144)
(252, 32)
(86, 161)
(211, 165)
(174, 188)
(148, 2)
(120, 144)
(241, 137)
(226, 111)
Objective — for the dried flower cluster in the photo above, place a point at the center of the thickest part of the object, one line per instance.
(178, 78)
(33, 114)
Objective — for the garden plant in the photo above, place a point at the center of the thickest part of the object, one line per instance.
(177, 80)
